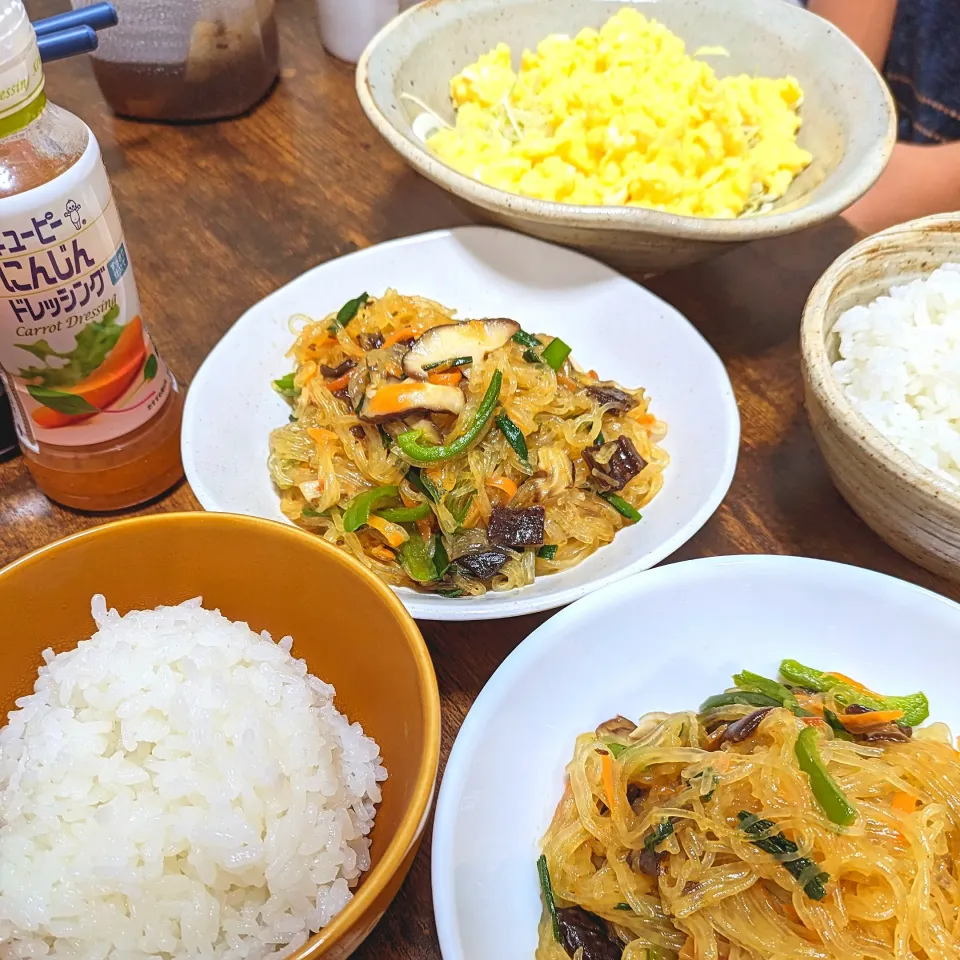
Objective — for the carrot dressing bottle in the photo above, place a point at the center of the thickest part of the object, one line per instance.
(97, 411)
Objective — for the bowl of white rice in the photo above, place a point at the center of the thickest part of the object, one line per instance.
(219, 738)
(880, 343)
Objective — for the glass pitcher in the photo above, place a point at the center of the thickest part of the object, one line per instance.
(187, 59)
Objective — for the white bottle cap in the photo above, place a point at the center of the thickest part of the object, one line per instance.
(21, 73)
(347, 26)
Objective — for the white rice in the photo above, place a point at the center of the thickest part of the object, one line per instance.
(178, 786)
(899, 367)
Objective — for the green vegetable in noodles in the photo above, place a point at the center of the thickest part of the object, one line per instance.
(829, 796)
(350, 309)
(360, 507)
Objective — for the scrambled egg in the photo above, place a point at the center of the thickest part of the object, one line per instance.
(623, 116)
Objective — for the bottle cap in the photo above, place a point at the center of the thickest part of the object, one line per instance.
(21, 74)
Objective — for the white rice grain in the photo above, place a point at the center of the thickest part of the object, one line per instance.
(899, 367)
(178, 786)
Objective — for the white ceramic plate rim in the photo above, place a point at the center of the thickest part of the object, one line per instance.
(423, 606)
(580, 616)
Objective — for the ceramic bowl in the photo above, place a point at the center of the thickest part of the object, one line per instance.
(916, 511)
(848, 116)
(351, 630)
(664, 640)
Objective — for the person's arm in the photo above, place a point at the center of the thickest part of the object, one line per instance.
(919, 181)
(868, 23)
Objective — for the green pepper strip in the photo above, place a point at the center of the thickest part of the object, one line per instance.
(526, 339)
(441, 560)
(556, 352)
(915, 706)
(350, 309)
(622, 507)
(546, 888)
(424, 484)
(410, 444)
(446, 364)
(514, 437)
(405, 514)
(548, 551)
(417, 561)
(831, 798)
(747, 697)
(358, 513)
(833, 721)
(284, 386)
(770, 688)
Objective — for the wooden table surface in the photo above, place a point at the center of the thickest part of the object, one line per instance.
(219, 215)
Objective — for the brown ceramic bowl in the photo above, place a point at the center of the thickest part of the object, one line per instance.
(916, 511)
(350, 628)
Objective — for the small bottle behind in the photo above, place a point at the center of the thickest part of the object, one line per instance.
(96, 410)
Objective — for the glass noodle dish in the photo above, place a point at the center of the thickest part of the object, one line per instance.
(807, 817)
(457, 457)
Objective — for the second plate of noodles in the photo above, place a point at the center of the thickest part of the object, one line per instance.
(805, 816)
(457, 457)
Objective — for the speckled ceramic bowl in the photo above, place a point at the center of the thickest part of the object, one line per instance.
(848, 117)
(913, 509)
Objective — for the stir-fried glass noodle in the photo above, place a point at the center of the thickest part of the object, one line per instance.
(808, 818)
(457, 457)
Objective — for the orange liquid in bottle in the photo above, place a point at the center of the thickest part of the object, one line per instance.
(98, 414)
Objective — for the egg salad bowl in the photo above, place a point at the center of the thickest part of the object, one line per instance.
(789, 63)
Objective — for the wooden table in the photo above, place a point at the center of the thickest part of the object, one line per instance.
(219, 215)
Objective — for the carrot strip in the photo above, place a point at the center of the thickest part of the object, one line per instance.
(334, 385)
(404, 333)
(425, 527)
(505, 484)
(567, 382)
(450, 379)
(810, 703)
(594, 374)
(864, 721)
(606, 773)
(904, 802)
(843, 678)
(320, 436)
(817, 722)
(473, 515)
(382, 553)
(393, 533)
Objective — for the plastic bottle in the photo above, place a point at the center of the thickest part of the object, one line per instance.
(97, 411)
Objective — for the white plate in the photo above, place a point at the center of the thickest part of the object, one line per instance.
(665, 640)
(613, 325)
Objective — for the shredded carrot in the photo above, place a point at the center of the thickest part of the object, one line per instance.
(449, 379)
(864, 721)
(505, 484)
(407, 500)
(817, 722)
(404, 333)
(606, 773)
(904, 802)
(442, 480)
(334, 385)
(382, 553)
(567, 382)
(810, 703)
(473, 515)
(320, 436)
(594, 374)
(393, 533)
(843, 678)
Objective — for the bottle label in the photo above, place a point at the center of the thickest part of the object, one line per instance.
(75, 356)
(21, 82)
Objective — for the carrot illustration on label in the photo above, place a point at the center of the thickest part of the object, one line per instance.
(102, 365)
